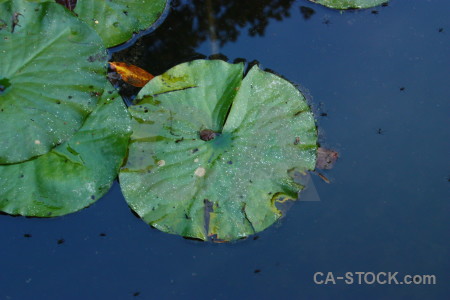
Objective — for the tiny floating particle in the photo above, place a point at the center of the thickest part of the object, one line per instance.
(200, 172)
(161, 163)
(37, 142)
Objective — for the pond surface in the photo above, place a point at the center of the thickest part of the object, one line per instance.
(379, 81)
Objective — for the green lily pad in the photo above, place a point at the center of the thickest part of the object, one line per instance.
(74, 174)
(349, 4)
(52, 67)
(211, 153)
(117, 20)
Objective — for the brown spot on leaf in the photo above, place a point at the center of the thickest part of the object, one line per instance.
(207, 135)
(15, 21)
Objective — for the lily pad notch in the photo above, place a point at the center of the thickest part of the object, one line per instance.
(212, 152)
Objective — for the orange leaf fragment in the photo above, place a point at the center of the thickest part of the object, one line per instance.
(131, 74)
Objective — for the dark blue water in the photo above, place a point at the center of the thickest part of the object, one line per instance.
(384, 82)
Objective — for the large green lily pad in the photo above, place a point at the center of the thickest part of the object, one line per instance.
(74, 174)
(117, 20)
(211, 153)
(53, 67)
(349, 4)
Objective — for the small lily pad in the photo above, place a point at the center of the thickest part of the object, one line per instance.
(117, 20)
(74, 174)
(212, 152)
(52, 69)
(349, 4)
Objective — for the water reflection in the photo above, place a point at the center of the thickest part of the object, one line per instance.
(191, 23)
(307, 12)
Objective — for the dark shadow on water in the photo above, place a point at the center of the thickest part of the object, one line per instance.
(191, 23)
